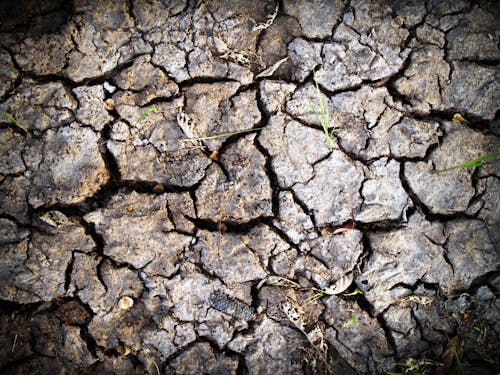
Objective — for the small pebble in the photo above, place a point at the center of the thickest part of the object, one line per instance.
(125, 303)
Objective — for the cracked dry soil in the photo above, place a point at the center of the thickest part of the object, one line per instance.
(128, 251)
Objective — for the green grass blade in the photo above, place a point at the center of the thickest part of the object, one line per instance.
(146, 112)
(14, 121)
(471, 164)
(220, 135)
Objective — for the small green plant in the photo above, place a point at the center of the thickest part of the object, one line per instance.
(471, 164)
(145, 113)
(355, 293)
(220, 135)
(408, 368)
(11, 119)
(322, 113)
(353, 322)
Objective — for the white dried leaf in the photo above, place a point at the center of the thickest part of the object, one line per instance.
(340, 285)
(270, 71)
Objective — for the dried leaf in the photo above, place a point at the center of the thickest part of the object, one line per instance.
(459, 119)
(270, 71)
(293, 315)
(340, 285)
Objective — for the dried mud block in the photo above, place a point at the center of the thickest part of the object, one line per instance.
(8, 73)
(85, 281)
(294, 149)
(304, 55)
(412, 138)
(408, 255)
(91, 110)
(151, 15)
(151, 150)
(362, 344)
(31, 53)
(473, 89)
(10, 232)
(13, 198)
(227, 52)
(201, 358)
(215, 108)
(274, 95)
(424, 79)
(367, 46)
(146, 81)
(41, 106)
(383, 195)
(475, 36)
(136, 229)
(470, 252)
(339, 252)
(66, 166)
(231, 306)
(292, 219)
(34, 269)
(228, 257)
(490, 209)
(332, 195)
(317, 18)
(53, 339)
(189, 295)
(15, 338)
(244, 195)
(299, 106)
(452, 190)
(104, 37)
(11, 148)
(278, 343)
(404, 329)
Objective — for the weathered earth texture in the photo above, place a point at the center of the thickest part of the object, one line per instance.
(128, 249)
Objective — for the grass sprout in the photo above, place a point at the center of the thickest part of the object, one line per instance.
(220, 135)
(145, 113)
(356, 292)
(471, 164)
(353, 322)
(322, 112)
(14, 121)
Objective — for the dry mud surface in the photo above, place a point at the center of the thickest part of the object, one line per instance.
(128, 250)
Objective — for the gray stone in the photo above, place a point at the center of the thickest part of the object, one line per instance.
(317, 18)
(42, 256)
(383, 195)
(152, 150)
(406, 255)
(91, 110)
(41, 106)
(66, 166)
(243, 195)
(362, 344)
(137, 231)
